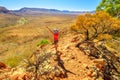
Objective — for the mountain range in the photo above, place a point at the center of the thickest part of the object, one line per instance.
(34, 11)
(4, 10)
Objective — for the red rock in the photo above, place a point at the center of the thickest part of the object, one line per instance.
(15, 77)
(26, 76)
(2, 65)
(90, 74)
(73, 57)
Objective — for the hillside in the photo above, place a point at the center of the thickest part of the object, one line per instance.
(22, 37)
(71, 56)
(70, 60)
(7, 19)
(3, 10)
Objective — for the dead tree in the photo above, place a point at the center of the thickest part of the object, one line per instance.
(39, 56)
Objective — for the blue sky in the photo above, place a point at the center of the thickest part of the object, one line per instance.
(73, 5)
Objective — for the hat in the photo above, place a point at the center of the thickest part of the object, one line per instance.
(55, 30)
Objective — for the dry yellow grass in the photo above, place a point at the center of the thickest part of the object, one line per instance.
(20, 40)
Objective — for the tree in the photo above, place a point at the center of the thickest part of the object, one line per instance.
(100, 26)
(94, 25)
(110, 6)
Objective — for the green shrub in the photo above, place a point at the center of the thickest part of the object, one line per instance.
(43, 42)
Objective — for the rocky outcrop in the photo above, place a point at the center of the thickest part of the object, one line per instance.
(110, 69)
(88, 61)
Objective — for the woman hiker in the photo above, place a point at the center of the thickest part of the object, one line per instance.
(55, 33)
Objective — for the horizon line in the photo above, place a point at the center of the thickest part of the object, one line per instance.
(50, 8)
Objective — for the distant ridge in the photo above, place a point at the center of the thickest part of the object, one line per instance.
(35, 11)
(3, 10)
(53, 11)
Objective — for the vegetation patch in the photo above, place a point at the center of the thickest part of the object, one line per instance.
(13, 60)
(43, 42)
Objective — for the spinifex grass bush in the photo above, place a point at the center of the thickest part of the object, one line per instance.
(114, 44)
(13, 60)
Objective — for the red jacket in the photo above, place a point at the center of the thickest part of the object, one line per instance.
(56, 35)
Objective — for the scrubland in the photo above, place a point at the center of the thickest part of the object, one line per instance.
(19, 38)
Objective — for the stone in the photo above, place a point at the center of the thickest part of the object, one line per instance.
(2, 65)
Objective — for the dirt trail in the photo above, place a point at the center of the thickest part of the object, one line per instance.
(74, 60)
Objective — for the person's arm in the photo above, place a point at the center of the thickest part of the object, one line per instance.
(49, 29)
(61, 31)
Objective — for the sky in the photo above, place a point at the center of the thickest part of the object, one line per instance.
(72, 5)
